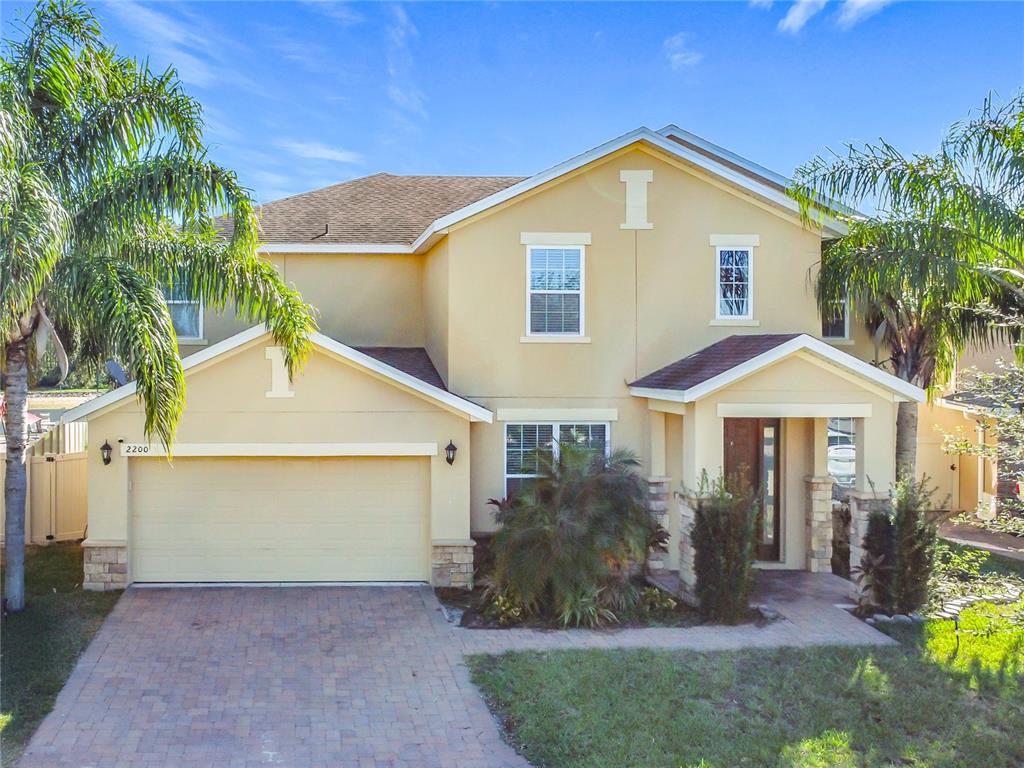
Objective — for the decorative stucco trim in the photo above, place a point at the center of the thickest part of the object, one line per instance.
(749, 241)
(554, 238)
(795, 410)
(137, 450)
(557, 414)
(552, 339)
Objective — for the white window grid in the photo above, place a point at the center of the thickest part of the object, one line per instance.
(742, 276)
(550, 436)
(579, 291)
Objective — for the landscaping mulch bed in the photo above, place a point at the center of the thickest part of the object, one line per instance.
(466, 609)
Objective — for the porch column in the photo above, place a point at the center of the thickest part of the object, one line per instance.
(658, 484)
(819, 504)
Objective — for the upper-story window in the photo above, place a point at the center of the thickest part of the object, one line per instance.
(836, 324)
(186, 312)
(734, 283)
(555, 306)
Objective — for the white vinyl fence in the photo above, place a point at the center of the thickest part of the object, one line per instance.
(57, 508)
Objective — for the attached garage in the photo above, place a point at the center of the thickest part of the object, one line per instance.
(357, 470)
(215, 519)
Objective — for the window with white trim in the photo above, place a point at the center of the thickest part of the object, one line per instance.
(524, 444)
(836, 325)
(734, 282)
(186, 312)
(555, 290)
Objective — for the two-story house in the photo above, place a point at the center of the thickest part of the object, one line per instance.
(654, 293)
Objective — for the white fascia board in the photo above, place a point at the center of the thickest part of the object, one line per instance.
(839, 358)
(472, 410)
(335, 248)
(198, 358)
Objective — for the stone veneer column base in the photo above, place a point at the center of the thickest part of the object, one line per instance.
(819, 524)
(106, 565)
(862, 504)
(687, 574)
(451, 563)
(658, 503)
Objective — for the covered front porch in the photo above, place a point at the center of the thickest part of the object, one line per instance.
(766, 407)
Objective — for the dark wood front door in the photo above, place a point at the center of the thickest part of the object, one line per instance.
(752, 451)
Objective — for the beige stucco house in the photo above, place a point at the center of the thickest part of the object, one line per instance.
(654, 293)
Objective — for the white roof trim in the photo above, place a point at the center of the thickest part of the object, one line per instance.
(903, 389)
(472, 410)
(335, 248)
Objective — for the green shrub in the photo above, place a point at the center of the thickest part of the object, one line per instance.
(915, 538)
(568, 539)
(723, 543)
(657, 602)
(877, 565)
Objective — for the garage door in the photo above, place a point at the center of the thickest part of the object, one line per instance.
(280, 519)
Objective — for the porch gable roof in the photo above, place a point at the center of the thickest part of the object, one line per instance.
(733, 358)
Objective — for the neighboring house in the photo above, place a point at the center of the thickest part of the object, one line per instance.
(963, 483)
(654, 293)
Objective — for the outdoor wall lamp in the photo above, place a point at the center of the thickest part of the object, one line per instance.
(105, 450)
(449, 452)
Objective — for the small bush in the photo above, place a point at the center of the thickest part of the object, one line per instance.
(657, 602)
(915, 538)
(877, 565)
(568, 539)
(723, 543)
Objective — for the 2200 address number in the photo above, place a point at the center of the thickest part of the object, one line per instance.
(134, 449)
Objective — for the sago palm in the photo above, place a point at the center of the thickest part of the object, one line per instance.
(940, 260)
(106, 200)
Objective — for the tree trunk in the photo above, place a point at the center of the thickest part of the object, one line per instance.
(15, 484)
(906, 440)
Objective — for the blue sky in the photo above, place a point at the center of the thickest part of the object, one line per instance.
(298, 95)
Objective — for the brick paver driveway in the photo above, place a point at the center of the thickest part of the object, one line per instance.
(298, 676)
(338, 676)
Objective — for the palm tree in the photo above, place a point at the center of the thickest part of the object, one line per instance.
(942, 257)
(106, 200)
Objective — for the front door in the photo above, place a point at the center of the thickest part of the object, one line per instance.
(752, 452)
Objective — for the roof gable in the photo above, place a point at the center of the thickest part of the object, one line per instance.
(736, 357)
(402, 367)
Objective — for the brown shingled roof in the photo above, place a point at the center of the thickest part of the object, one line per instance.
(412, 360)
(380, 209)
(711, 361)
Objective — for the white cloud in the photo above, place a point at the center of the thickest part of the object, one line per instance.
(343, 13)
(677, 52)
(760, 3)
(202, 56)
(799, 14)
(853, 12)
(314, 150)
(402, 88)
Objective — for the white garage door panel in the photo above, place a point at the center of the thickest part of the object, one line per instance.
(266, 519)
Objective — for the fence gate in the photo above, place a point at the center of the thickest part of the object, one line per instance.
(57, 508)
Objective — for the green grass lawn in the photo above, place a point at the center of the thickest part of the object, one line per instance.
(41, 644)
(937, 700)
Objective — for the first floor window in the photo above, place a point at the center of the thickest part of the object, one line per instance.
(526, 444)
(733, 281)
(836, 324)
(842, 450)
(555, 291)
(186, 312)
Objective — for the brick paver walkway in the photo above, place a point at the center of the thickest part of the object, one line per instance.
(323, 676)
